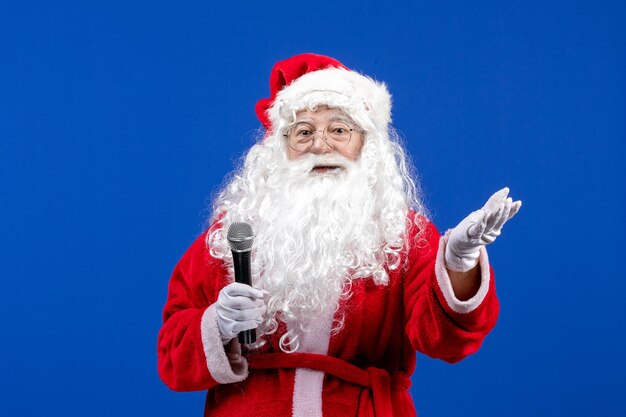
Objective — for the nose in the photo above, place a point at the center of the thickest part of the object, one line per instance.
(320, 145)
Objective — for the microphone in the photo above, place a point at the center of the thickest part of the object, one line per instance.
(240, 239)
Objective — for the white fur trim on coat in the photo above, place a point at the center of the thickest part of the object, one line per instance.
(365, 100)
(309, 383)
(225, 363)
(443, 279)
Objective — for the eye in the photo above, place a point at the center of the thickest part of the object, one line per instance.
(339, 129)
(303, 132)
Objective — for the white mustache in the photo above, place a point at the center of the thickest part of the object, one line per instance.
(307, 163)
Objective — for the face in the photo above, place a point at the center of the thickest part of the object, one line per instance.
(322, 120)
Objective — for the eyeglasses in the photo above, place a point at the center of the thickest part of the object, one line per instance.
(302, 136)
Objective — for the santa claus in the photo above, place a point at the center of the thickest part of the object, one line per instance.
(349, 276)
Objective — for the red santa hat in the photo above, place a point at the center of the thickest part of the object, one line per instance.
(310, 80)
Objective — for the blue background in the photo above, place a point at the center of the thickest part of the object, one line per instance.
(119, 121)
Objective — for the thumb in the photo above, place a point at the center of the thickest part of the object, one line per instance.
(477, 221)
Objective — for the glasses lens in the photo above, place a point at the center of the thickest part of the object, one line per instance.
(301, 137)
(338, 132)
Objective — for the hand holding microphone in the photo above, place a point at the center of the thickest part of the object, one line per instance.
(240, 307)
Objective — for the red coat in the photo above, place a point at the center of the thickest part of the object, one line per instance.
(368, 363)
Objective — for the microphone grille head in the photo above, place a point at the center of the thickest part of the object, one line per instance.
(240, 237)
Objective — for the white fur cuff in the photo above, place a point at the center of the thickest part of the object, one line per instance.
(225, 363)
(443, 280)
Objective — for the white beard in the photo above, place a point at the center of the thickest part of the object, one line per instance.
(310, 231)
(314, 233)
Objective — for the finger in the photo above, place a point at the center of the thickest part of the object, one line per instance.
(508, 204)
(476, 216)
(494, 218)
(239, 302)
(226, 326)
(480, 219)
(243, 315)
(239, 289)
(514, 209)
(473, 218)
(495, 200)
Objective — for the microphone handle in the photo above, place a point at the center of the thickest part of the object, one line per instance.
(241, 261)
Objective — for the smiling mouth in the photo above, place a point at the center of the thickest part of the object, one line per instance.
(326, 168)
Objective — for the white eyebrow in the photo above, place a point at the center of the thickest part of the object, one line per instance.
(340, 118)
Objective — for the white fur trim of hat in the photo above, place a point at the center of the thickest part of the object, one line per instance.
(365, 100)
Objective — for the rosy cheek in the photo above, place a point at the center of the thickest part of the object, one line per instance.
(291, 154)
(355, 151)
